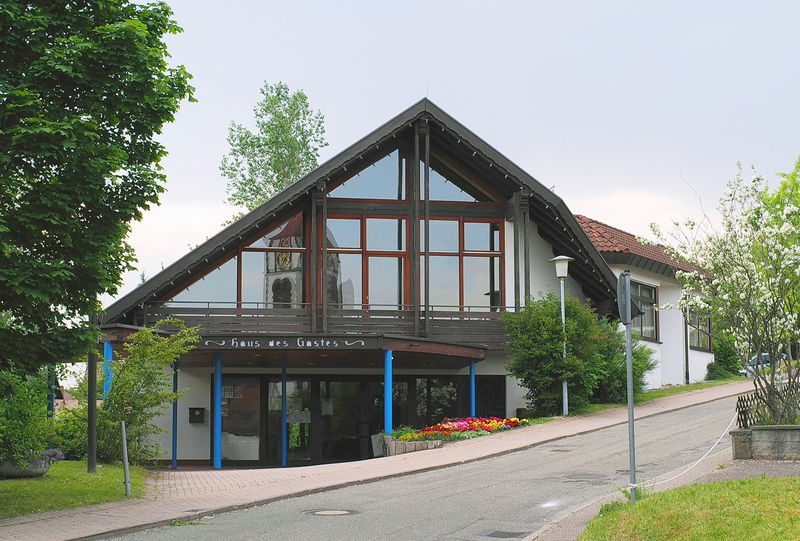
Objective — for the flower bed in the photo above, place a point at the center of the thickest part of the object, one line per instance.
(461, 429)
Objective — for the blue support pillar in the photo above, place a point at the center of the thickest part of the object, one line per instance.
(51, 399)
(284, 434)
(108, 356)
(472, 389)
(387, 391)
(175, 417)
(216, 435)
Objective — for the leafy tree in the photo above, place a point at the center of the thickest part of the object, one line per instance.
(24, 426)
(142, 388)
(754, 257)
(84, 89)
(284, 148)
(534, 347)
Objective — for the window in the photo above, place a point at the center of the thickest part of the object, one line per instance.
(273, 267)
(699, 331)
(646, 324)
(367, 260)
(465, 265)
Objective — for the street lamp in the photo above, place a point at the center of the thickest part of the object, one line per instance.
(562, 265)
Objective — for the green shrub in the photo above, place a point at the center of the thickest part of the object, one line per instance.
(534, 346)
(612, 386)
(24, 426)
(716, 370)
(725, 355)
(69, 432)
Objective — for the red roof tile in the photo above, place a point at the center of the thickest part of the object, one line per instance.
(608, 239)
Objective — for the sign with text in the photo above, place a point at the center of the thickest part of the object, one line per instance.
(309, 342)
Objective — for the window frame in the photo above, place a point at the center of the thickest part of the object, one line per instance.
(641, 300)
(701, 324)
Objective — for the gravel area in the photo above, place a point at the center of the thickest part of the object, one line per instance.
(744, 469)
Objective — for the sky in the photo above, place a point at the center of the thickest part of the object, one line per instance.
(632, 112)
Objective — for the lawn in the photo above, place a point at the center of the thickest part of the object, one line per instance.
(754, 509)
(65, 486)
(660, 393)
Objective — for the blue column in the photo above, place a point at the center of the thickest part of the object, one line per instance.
(51, 399)
(175, 417)
(284, 435)
(387, 391)
(216, 434)
(472, 389)
(108, 356)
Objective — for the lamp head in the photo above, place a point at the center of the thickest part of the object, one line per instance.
(562, 264)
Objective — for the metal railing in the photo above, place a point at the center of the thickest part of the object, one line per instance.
(460, 324)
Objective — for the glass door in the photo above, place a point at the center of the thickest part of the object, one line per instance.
(298, 423)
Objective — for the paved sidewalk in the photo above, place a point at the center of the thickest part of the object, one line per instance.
(187, 494)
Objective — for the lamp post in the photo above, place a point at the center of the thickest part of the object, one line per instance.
(562, 265)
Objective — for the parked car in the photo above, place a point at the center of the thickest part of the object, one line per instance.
(758, 362)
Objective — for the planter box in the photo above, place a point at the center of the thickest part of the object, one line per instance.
(10, 470)
(772, 442)
(394, 447)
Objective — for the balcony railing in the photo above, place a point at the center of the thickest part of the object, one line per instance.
(467, 325)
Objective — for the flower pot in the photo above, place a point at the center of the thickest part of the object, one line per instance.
(10, 470)
(377, 445)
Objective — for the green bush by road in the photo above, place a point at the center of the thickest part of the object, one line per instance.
(754, 509)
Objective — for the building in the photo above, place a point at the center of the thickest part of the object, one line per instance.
(366, 295)
(681, 342)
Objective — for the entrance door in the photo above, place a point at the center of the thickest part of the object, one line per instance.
(298, 423)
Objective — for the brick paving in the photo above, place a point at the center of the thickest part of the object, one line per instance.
(191, 493)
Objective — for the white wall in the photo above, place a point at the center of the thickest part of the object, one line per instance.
(542, 272)
(670, 349)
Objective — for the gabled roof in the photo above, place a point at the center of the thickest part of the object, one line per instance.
(618, 246)
(554, 220)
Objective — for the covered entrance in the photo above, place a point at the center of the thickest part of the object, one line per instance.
(291, 406)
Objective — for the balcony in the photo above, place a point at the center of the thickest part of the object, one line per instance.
(468, 326)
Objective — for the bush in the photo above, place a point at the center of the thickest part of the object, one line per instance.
(716, 370)
(24, 426)
(612, 386)
(69, 432)
(534, 346)
(725, 356)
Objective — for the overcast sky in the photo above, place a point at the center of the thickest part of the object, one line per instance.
(632, 112)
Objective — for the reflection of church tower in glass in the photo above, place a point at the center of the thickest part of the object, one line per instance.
(283, 275)
(338, 293)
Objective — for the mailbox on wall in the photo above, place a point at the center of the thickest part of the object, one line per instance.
(197, 415)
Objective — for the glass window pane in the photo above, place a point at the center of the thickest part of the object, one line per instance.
(344, 233)
(386, 234)
(444, 282)
(440, 188)
(275, 278)
(381, 180)
(241, 421)
(481, 283)
(385, 282)
(344, 280)
(217, 287)
(444, 236)
(481, 237)
(289, 234)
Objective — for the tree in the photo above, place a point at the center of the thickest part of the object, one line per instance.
(141, 390)
(534, 347)
(84, 88)
(285, 147)
(753, 257)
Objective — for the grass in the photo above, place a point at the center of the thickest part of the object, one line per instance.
(67, 485)
(659, 393)
(755, 509)
(668, 391)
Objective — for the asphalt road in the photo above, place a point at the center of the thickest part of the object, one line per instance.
(509, 496)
